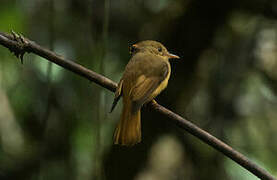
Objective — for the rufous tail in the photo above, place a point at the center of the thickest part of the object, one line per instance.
(128, 130)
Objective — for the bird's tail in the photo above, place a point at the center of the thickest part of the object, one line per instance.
(128, 130)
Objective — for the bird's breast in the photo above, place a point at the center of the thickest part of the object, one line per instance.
(163, 84)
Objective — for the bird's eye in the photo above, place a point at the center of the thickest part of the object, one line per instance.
(160, 49)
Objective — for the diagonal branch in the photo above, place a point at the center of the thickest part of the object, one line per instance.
(19, 45)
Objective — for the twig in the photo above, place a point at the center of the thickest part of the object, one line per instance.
(21, 45)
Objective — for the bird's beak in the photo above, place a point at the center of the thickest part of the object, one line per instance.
(172, 56)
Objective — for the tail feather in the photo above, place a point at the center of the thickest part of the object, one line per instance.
(128, 130)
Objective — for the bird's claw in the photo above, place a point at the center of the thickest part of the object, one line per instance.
(151, 103)
(154, 102)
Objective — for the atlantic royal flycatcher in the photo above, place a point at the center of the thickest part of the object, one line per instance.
(145, 76)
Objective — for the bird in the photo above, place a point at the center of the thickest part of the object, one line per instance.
(145, 76)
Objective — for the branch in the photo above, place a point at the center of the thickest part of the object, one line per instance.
(19, 45)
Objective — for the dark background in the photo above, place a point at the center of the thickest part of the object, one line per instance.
(55, 125)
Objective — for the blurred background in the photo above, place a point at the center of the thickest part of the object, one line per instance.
(55, 125)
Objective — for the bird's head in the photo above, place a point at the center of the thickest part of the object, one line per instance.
(153, 47)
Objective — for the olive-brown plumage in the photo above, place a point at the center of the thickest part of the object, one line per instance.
(145, 76)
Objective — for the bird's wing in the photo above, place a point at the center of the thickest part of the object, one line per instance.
(117, 94)
(145, 86)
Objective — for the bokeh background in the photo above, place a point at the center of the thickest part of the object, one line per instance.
(55, 125)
